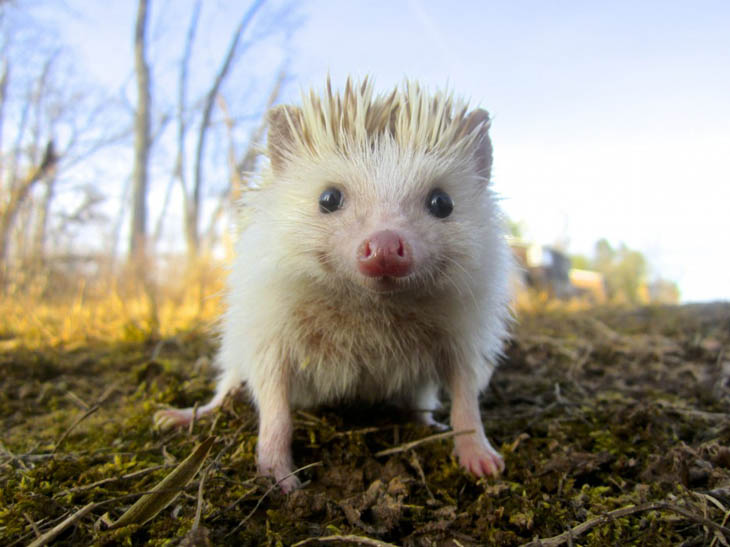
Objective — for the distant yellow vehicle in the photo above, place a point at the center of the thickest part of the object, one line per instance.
(589, 284)
(548, 270)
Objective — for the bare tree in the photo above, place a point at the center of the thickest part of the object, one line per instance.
(39, 153)
(40, 229)
(138, 237)
(178, 172)
(3, 96)
(192, 200)
(50, 123)
(18, 192)
(240, 168)
(19, 177)
(198, 129)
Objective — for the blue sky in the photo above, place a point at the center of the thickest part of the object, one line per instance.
(610, 119)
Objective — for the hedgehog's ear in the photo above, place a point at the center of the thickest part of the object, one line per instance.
(283, 122)
(478, 121)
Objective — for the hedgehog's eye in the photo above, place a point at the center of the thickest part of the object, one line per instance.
(330, 200)
(439, 204)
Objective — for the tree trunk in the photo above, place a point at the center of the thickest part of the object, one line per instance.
(3, 97)
(41, 227)
(138, 238)
(182, 126)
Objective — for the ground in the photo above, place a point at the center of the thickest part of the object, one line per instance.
(614, 425)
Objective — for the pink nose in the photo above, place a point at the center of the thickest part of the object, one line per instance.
(384, 254)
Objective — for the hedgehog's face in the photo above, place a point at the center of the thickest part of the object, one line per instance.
(386, 219)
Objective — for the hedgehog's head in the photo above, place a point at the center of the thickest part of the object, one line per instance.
(383, 192)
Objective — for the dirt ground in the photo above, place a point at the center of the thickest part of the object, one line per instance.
(614, 425)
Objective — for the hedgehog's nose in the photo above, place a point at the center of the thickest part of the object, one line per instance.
(384, 254)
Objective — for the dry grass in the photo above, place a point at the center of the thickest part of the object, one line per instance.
(111, 308)
(533, 302)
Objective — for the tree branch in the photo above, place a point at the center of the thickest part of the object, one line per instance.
(246, 165)
(18, 194)
(193, 210)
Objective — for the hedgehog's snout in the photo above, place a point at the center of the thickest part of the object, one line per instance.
(385, 254)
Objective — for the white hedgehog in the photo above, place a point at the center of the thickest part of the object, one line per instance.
(371, 266)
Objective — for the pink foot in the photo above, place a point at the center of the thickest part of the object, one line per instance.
(478, 457)
(173, 417)
(176, 417)
(280, 471)
(289, 484)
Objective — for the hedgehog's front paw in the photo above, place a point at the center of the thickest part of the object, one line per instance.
(173, 417)
(477, 456)
(280, 471)
(288, 484)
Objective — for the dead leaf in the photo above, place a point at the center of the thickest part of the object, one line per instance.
(149, 505)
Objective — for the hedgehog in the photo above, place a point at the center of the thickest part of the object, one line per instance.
(371, 266)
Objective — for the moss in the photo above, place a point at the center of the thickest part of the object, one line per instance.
(593, 410)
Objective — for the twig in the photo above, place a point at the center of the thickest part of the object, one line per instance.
(56, 530)
(78, 400)
(417, 464)
(261, 499)
(103, 397)
(51, 534)
(582, 528)
(231, 441)
(724, 520)
(30, 457)
(191, 426)
(12, 456)
(214, 423)
(21, 540)
(362, 431)
(424, 440)
(139, 495)
(73, 425)
(693, 412)
(216, 462)
(233, 504)
(132, 475)
(199, 508)
(687, 514)
(706, 496)
(357, 540)
(312, 417)
(32, 523)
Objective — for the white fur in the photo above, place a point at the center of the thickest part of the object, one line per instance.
(304, 327)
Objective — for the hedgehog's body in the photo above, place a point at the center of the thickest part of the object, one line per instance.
(372, 266)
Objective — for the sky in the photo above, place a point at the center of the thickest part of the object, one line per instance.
(610, 119)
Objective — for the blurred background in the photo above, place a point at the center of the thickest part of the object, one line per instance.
(128, 129)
